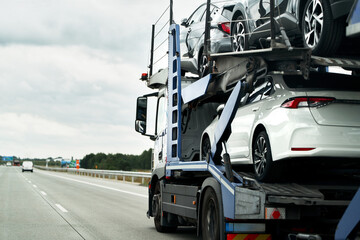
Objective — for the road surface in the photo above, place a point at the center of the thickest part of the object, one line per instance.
(49, 205)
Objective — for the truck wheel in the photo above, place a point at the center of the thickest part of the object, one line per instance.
(262, 158)
(156, 205)
(210, 224)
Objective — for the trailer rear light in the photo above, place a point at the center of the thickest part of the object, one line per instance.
(307, 102)
(302, 149)
(144, 77)
(275, 213)
(225, 27)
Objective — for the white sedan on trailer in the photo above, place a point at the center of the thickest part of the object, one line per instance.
(288, 117)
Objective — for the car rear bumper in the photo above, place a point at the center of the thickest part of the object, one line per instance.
(322, 141)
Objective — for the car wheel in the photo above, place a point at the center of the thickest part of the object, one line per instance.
(203, 66)
(262, 158)
(239, 36)
(157, 210)
(210, 220)
(205, 147)
(320, 31)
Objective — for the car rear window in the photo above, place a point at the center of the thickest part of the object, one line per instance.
(326, 81)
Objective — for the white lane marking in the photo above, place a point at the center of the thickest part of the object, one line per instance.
(34, 186)
(29, 181)
(61, 208)
(43, 193)
(97, 185)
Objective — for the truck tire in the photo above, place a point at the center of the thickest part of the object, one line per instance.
(210, 219)
(157, 212)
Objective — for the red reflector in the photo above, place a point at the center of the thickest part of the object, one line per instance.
(302, 149)
(225, 27)
(149, 186)
(275, 214)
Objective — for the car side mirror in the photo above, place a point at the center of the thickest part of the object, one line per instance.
(184, 22)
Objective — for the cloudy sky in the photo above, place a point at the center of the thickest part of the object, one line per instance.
(69, 73)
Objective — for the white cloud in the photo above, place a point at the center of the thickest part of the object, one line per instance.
(69, 74)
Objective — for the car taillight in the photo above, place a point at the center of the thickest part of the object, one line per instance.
(225, 27)
(307, 102)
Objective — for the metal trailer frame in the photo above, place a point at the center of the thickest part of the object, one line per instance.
(238, 197)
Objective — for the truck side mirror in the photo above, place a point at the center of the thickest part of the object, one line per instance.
(141, 110)
(146, 124)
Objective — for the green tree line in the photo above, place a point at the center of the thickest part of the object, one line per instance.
(117, 161)
(104, 161)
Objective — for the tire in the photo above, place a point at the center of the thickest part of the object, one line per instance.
(239, 35)
(157, 210)
(320, 31)
(205, 147)
(210, 216)
(203, 65)
(262, 159)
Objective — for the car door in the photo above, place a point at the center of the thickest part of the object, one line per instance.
(195, 29)
(243, 123)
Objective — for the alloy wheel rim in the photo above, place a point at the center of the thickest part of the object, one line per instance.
(203, 65)
(239, 37)
(313, 23)
(205, 148)
(260, 156)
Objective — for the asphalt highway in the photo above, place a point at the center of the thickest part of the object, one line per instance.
(48, 205)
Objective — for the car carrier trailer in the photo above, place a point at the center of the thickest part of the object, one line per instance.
(207, 193)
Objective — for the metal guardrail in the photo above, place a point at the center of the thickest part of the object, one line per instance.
(118, 175)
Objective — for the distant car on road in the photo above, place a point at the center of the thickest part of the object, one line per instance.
(27, 166)
(8, 164)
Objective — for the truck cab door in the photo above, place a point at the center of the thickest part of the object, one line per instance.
(161, 134)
